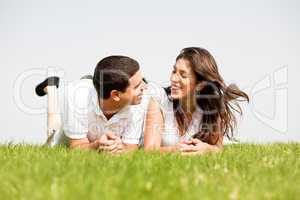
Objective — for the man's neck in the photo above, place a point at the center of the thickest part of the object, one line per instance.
(108, 108)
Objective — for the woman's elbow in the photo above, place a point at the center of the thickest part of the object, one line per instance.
(218, 148)
(151, 146)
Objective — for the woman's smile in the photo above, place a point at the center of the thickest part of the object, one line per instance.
(175, 88)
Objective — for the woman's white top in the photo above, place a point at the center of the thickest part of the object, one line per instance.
(171, 135)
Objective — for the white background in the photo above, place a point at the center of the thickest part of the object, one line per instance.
(249, 40)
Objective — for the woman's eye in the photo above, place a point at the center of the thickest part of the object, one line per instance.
(183, 75)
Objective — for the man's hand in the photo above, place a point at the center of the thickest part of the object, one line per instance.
(111, 143)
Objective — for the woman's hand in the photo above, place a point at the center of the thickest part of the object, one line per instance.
(182, 144)
(196, 146)
(193, 145)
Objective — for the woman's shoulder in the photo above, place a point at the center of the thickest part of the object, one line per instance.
(158, 93)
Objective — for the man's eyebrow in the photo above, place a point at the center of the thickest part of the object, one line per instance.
(139, 84)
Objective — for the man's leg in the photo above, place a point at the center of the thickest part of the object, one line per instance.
(54, 121)
(49, 87)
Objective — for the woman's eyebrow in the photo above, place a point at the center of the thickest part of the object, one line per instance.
(180, 70)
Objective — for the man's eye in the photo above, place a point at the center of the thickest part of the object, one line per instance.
(136, 87)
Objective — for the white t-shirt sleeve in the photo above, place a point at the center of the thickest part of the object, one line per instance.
(135, 126)
(158, 94)
(76, 109)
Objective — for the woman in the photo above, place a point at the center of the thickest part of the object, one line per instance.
(196, 111)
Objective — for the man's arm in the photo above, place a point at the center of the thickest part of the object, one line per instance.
(84, 144)
(130, 147)
(108, 142)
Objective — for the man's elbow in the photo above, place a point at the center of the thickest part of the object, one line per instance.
(130, 147)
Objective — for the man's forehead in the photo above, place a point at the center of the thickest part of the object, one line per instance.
(137, 77)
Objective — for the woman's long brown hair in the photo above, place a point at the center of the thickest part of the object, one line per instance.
(216, 100)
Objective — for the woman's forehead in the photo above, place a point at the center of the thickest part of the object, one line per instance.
(182, 65)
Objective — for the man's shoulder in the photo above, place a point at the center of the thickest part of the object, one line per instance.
(80, 93)
(84, 85)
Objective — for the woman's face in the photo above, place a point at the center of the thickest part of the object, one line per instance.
(183, 80)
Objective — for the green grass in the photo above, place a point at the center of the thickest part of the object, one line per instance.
(241, 171)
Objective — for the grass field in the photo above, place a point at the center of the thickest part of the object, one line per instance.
(241, 171)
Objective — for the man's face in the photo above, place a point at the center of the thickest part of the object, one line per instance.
(134, 92)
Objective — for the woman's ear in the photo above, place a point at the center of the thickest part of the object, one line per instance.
(200, 85)
(115, 95)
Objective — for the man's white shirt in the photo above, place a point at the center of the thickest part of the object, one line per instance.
(82, 116)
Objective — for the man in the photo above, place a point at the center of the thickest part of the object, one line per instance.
(105, 113)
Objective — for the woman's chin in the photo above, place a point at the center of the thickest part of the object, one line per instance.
(175, 95)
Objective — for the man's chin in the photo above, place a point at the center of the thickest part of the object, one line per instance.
(136, 102)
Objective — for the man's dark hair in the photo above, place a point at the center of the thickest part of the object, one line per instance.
(113, 73)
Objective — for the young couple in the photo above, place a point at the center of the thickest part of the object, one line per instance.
(116, 111)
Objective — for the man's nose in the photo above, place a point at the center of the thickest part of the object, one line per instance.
(144, 86)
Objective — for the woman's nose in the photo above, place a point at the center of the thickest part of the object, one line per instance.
(174, 78)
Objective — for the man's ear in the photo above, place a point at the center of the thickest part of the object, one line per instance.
(115, 95)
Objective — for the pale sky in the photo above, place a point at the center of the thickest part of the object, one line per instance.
(255, 43)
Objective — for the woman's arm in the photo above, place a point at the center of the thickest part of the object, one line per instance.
(153, 127)
(213, 143)
(199, 147)
(176, 148)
